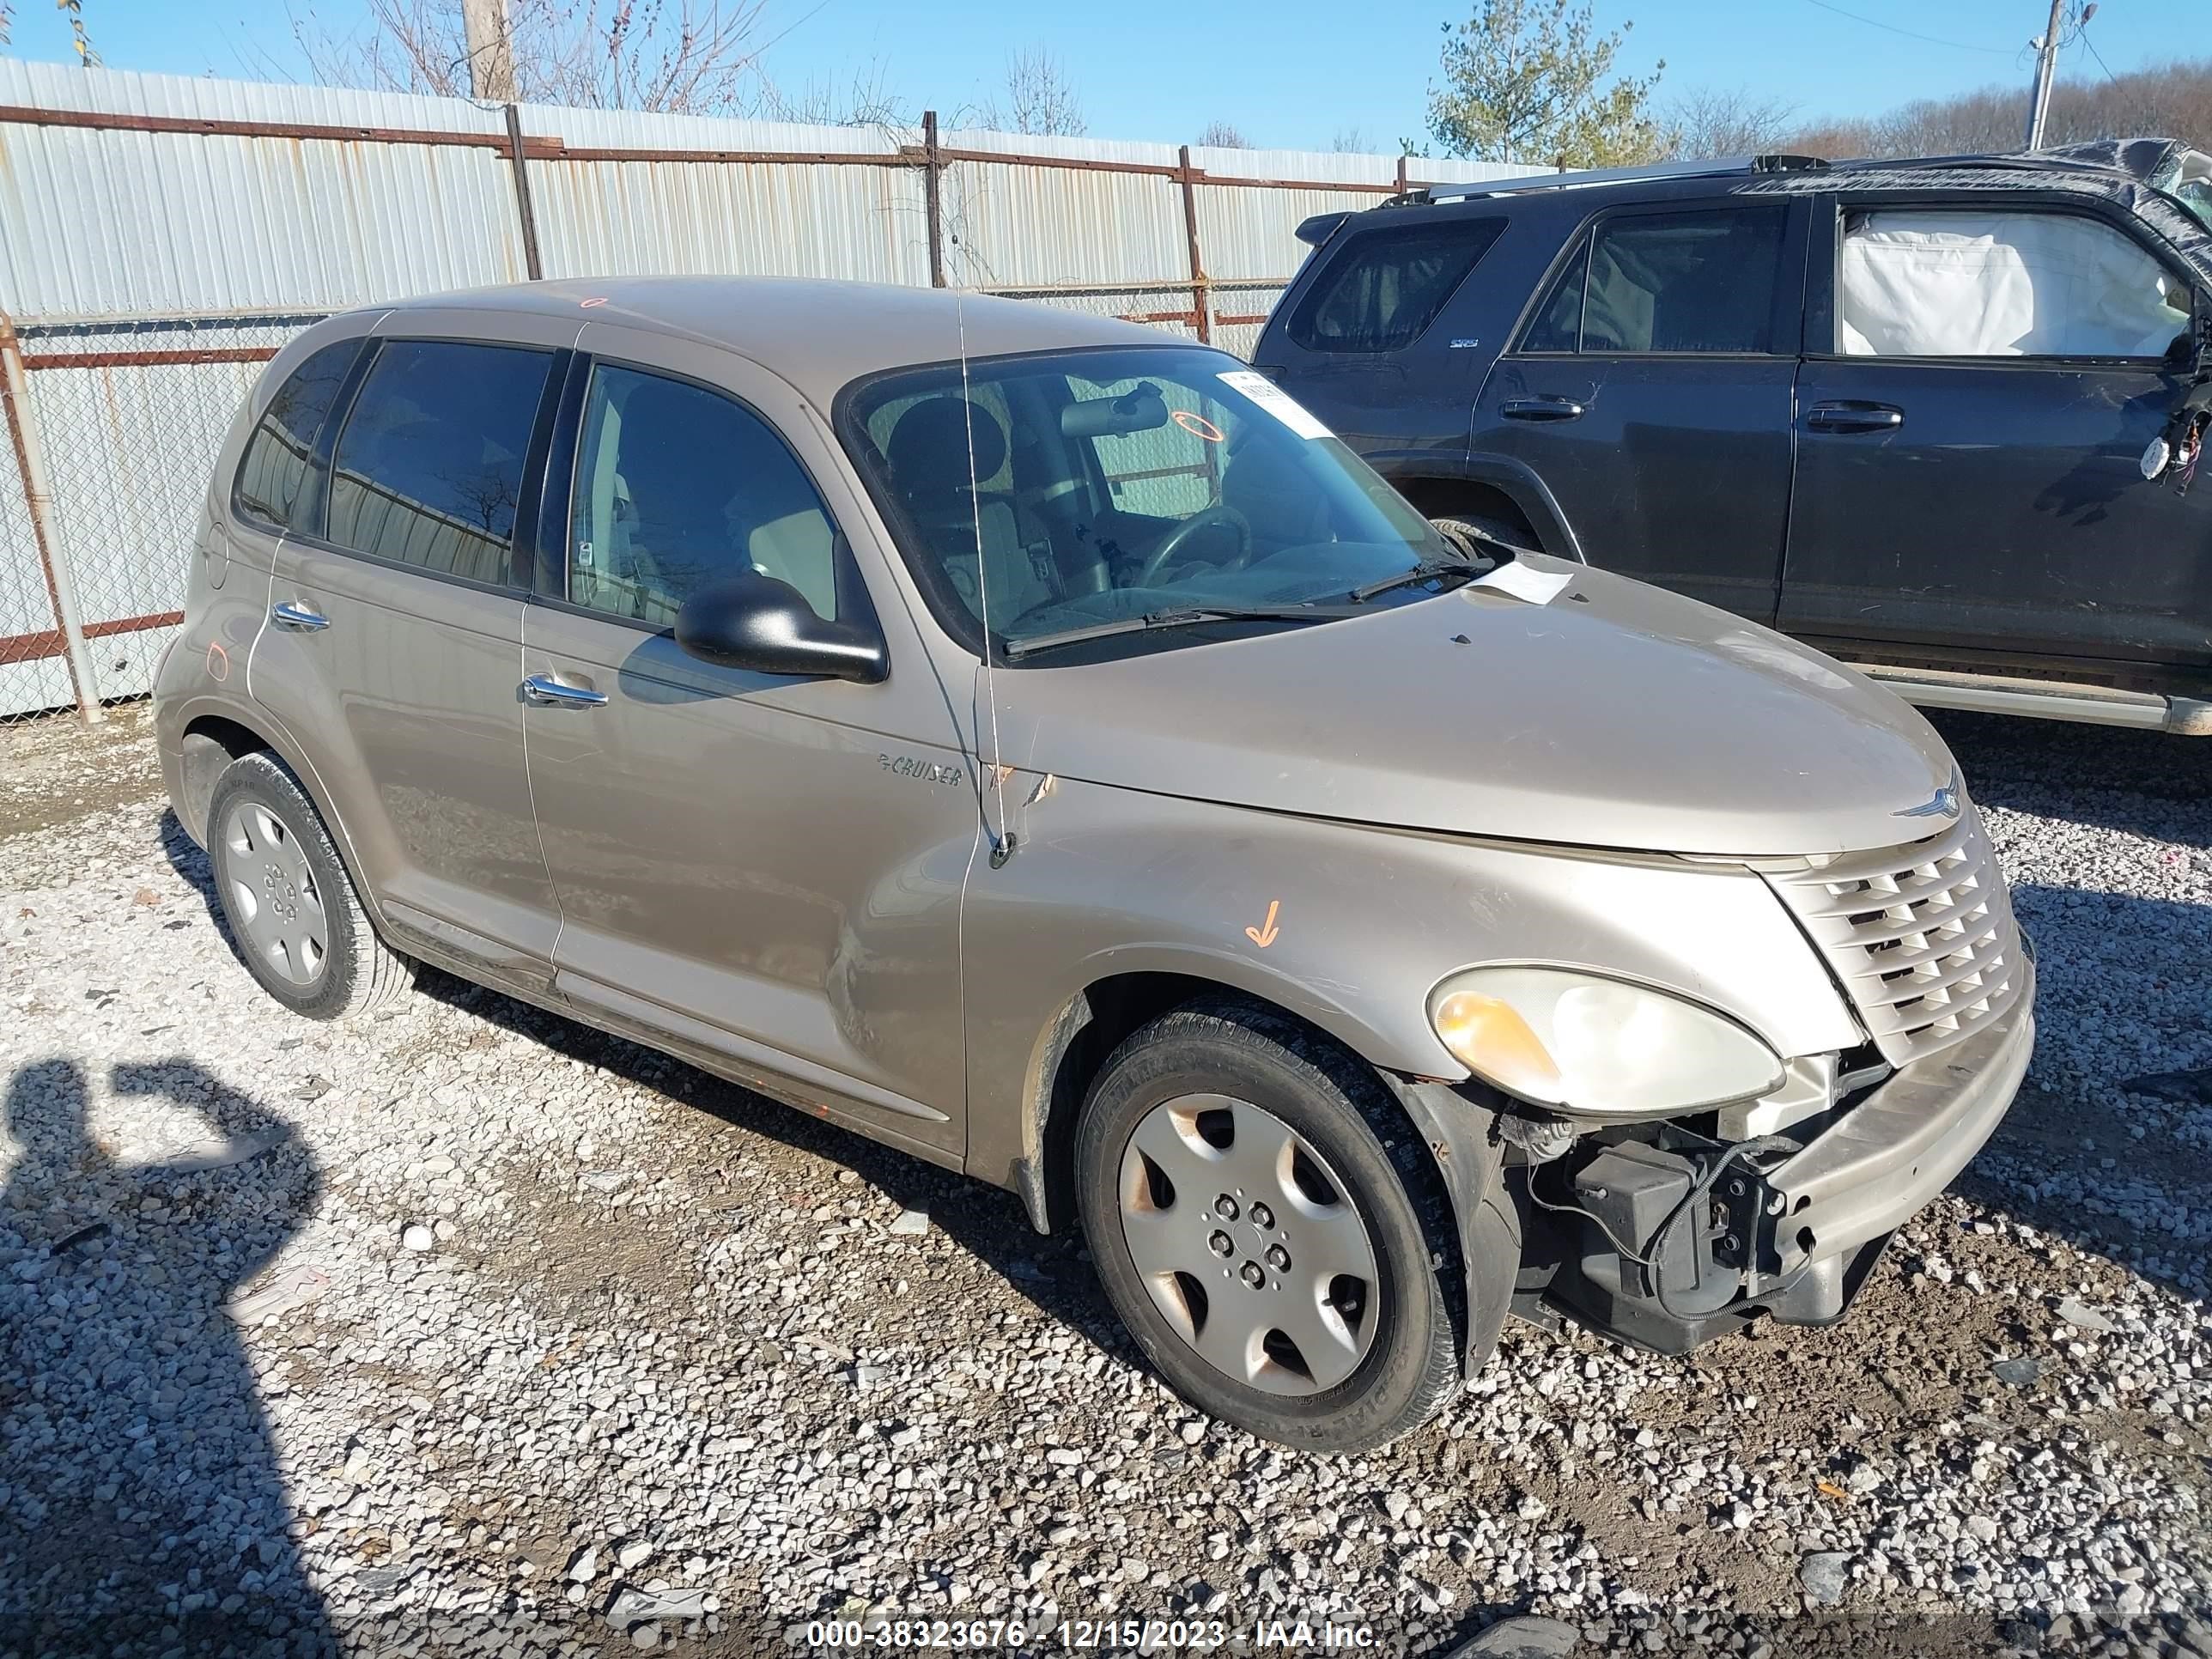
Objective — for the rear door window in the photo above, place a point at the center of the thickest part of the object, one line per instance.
(429, 470)
(275, 464)
(1967, 282)
(1385, 287)
(1699, 281)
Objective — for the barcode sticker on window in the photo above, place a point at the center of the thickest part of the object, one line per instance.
(1276, 401)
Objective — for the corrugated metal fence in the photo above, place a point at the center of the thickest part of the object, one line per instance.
(161, 238)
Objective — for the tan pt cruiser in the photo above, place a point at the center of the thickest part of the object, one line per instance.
(1036, 743)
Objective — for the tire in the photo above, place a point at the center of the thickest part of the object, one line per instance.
(1228, 1097)
(294, 915)
(1487, 533)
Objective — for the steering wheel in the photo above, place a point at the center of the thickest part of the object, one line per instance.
(1220, 514)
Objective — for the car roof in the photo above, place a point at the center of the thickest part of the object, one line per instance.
(817, 334)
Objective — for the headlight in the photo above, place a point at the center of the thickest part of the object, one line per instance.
(1596, 1047)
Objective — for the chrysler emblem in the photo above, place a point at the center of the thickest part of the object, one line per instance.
(1943, 804)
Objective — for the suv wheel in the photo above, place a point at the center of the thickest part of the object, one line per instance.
(292, 907)
(1253, 1235)
(1485, 534)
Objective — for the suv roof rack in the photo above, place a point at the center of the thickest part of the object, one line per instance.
(1536, 181)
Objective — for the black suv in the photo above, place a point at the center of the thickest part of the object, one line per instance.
(1938, 417)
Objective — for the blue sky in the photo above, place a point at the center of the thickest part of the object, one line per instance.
(1286, 73)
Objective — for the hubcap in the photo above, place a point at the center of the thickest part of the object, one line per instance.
(273, 895)
(1248, 1244)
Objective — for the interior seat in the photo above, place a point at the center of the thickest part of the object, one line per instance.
(930, 463)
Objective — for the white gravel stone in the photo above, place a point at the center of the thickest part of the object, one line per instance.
(705, 1350)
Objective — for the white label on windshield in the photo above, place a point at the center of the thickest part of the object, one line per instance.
(1276, 401)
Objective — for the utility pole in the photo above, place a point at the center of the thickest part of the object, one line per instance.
(491, 51)
(2046, 69)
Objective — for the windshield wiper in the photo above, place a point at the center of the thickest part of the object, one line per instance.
(1427, 570)
(1179, 618)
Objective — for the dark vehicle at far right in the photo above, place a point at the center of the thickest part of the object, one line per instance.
(1939, 418)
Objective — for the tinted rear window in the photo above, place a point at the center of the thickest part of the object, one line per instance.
(1385, 287)
(276, 459)
(429, 470)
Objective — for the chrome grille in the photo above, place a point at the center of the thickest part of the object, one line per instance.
(1921, 936)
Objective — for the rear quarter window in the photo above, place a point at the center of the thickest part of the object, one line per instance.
(275, 463)
(1383, 289)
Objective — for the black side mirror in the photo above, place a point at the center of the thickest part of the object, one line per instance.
(757, 623)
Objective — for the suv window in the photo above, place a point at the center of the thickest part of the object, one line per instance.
(275, 463)
(1384, 289)
(678, 487)
(1974, 282)
(1703, 281)
(428, 469)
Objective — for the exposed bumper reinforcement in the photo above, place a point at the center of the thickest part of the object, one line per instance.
(1894, 1151)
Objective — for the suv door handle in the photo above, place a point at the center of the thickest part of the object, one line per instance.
(545, 690)
(1854, 418)
(1541, 409)
(285, 614)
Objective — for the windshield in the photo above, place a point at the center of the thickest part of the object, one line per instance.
(1070, 489)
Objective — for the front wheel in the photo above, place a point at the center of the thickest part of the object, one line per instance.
(1252, 1234)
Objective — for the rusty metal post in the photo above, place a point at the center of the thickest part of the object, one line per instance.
(1401, 175)
(1201, 291)
(522, 203)
(31, 467)
(932, 190)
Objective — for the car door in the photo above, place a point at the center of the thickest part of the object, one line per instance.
(767, 867)
(1981, 379)
(394, 642)
(1649, 388)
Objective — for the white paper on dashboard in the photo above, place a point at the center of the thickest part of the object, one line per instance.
(1521, 581)
(1276, 401)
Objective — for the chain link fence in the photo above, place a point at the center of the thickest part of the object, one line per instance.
(113, 429)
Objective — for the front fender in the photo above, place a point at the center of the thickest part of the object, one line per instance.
(1348, 927)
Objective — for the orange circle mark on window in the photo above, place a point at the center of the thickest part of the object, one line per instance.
(1197, 425)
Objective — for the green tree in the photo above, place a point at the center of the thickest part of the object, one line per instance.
(1527, 81)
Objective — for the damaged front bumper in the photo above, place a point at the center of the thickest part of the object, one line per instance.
(1668, 1241)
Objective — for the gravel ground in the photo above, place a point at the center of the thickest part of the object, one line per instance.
(467, 1330)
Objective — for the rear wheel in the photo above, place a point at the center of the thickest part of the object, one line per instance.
(1253, 1235)
(292, 907)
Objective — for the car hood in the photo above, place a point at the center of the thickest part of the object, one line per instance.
(1617, 716)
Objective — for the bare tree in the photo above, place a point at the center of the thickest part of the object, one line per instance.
(1714, 121)
(688, 57)
(865, 101)
(1219, 135)
(1039, 98)
(1350, 141)
(2173, 101)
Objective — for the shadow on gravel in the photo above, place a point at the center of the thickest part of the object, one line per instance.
(990, 1223)
(2144, 783)
(141, 1511)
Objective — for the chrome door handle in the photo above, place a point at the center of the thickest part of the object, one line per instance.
(1541, 409)
(544, 689)
(285, 614)
(1854, 418)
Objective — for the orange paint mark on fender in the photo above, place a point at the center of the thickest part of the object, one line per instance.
(1264, 934)
(218, 662)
